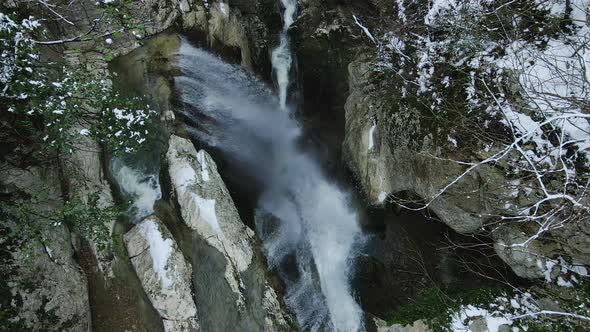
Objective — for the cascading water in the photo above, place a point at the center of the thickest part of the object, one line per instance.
(141, 188)
(281, 56)
(301, 216)
(308, 230)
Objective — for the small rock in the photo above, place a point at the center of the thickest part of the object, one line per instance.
(478, 325)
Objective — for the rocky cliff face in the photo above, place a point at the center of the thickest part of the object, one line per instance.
(213, 255)
(229, 279)
(321, 30)
(408, 161)
(404, 161)
(396, 150)
(241, 30)
(45, 286)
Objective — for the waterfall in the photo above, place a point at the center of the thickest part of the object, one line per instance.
(281, 56)
(141, 188)
(308, 229)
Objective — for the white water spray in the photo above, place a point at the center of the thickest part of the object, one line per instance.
(308, 229)
(281, 56)
(142, 189)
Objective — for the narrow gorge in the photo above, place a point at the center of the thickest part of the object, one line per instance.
(295, 165)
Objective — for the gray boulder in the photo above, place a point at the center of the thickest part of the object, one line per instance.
(393, 152)
(230, 278)
(412, 166)
(164, 274)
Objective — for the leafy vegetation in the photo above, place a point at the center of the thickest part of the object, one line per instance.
(51, 105)
(52, 108)
(440, 308)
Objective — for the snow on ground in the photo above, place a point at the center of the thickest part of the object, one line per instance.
(185, 177)
(207, 211)
(562, 272)
(160, 250)
(452, 140)
(437, 7)
(550, 71)
(493, 320)
(502, 311)
(49, 251)
(551, 75)
(510, 310)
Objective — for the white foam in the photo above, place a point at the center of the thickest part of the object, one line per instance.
(144, 190)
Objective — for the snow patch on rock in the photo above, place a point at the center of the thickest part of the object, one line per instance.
(207, 208)
(160, 250)
(207, 211)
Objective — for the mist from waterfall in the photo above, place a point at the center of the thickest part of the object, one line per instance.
(308, 230)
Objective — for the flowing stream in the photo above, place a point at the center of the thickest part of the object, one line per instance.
(308, 229)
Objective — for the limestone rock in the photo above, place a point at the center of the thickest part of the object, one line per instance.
(576, 238)
(59, 294)
(160, 14)
(223, 247)
(478, 325)
(326, 28)
(207, 208)
(164, 274)
(382, 170)
(526, 261)
(393, 152)
(225, 27)
(239, 30)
